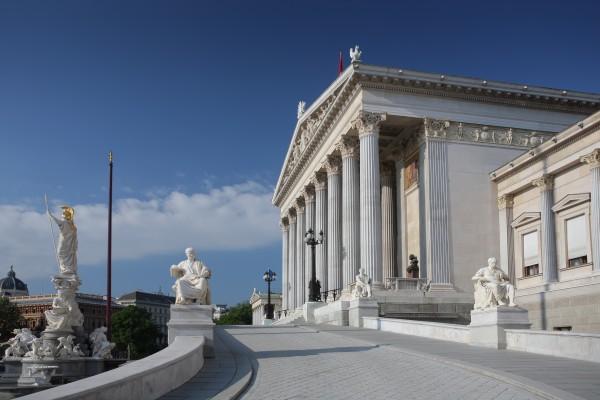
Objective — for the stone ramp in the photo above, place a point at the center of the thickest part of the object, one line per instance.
(562, 376)
(223, 377)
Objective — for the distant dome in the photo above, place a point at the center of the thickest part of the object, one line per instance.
(12, 286)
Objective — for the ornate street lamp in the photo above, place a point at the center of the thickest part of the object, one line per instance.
(314, 287)
(269, 277)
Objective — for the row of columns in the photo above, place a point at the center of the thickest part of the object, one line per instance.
(345, 202)
(549, 259)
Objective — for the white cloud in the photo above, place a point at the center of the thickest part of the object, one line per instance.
(227, 218)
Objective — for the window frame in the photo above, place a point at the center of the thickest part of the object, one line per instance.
(569, 207)
(524, 224)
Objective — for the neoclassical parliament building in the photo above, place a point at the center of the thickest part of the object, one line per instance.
(419, 178)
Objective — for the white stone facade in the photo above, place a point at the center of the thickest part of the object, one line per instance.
(416, 150)
(258, 301)
(549, 214)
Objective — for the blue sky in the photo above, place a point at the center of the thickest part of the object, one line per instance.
(198, 101)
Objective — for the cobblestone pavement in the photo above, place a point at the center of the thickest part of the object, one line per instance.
(304, 363)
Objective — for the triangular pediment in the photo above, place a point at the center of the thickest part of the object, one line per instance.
(571, 200)
(525, 218)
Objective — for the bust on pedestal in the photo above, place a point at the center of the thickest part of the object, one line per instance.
(191, 315)
(495, 309)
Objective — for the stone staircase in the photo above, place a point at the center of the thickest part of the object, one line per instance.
(295, 317)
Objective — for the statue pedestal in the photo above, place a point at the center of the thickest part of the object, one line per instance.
(487, 326)
(193, 320)
(361, 307)
(12, 370)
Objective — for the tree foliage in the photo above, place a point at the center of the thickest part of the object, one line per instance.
(240, 314)
(10, 318)
(133, 326)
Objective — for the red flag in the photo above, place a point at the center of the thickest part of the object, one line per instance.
(340, 65)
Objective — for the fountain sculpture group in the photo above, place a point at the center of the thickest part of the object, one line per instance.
(62, 348)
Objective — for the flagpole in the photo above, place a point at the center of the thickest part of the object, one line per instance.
(109, 251)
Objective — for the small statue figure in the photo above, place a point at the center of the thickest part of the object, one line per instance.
(413, 267)
(77, 352)
(362, 287)
(67, 241)
(64, 349)
(20, 344)
(101, 346)
(192, 276)
(37, 350)
(57, 318)
(492, 287)
(355, 54)
(301, 108)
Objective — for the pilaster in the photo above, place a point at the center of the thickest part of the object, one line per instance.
(593, 160)
(387, 222)
(320, 184)
(291, 276)
(548, 234)
(505, 218)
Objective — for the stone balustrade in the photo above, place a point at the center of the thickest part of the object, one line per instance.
(148, 378)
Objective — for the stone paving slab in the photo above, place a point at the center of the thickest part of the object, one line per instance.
(579, 378)
(300, 363)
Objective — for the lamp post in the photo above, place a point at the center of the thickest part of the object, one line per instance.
(269, 277)
(314, 287)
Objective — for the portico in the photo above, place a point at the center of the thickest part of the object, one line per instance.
(386, 161)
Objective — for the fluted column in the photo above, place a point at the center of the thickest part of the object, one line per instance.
(505, 216)
(437, 202)
(549, 260)
(320, 183)
(593, 160)
(284, 261)
(291, 275)
(309, 198)
(387, 222)
(368, 125)
(350, 210)
(300, 252)
(401, 256)
(334, 222)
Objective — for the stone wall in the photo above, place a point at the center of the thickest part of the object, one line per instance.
(432, 330)
(580, 346)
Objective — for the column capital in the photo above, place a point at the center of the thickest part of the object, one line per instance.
(309, 193)
(300, 204)
(544, 183)
(387, 169)
(505, 201)
(368, 123)
(349, 147)
(592, 159)
(320, 181)
(333, 165)
(284, 224)
(292, 215)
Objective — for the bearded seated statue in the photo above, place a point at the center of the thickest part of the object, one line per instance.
(492, 287)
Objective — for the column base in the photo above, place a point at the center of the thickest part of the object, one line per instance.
(487, 326)
(193, 320)
(308, 311)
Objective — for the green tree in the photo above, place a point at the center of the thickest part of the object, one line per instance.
(133, 327)
(240, 314)
(10, 318)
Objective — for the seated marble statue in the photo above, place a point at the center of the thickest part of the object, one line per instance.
(58, 318)
(192, 276)
(492, 287)
(362, 286)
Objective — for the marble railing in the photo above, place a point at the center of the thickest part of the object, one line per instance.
(148, 378)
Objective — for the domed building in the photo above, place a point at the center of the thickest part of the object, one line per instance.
(12, 286)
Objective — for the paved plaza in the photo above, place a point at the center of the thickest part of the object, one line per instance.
(311, 362)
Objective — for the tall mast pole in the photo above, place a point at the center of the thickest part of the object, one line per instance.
(109, 251)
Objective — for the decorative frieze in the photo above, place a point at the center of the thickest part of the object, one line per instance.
(462, 131)
(367, 123)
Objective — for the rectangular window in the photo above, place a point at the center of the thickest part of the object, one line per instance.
(563, 328)
(531, 263)
(576, 241)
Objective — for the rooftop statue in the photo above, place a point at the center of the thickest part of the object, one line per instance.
(301, 108)
(355, 54)
(192, 276)
(492, 287)
(362, 286)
